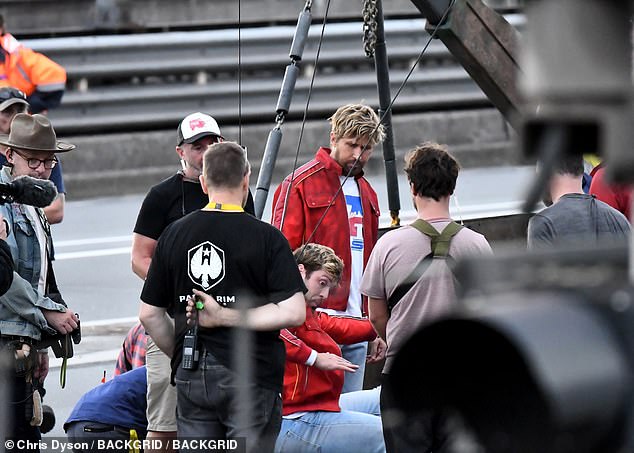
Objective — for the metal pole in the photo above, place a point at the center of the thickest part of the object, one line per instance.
(283, 106)
(385, 97)
(631, 268)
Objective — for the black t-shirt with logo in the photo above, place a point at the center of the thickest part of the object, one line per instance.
(242, 262)
(170, 200)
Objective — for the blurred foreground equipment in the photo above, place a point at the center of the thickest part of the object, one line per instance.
(540, 358)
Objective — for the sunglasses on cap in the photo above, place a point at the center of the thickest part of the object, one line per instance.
(10, 93)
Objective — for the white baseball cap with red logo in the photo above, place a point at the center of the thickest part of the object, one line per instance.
(196, 126)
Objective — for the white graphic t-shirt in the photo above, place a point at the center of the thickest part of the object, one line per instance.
(355, 222)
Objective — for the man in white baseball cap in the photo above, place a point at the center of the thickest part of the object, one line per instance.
(196, 126)
(166, 202)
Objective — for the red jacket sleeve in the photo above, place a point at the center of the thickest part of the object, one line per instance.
(296, 349)
(288, 213)
(346, 330)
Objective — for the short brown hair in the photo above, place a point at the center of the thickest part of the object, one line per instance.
(315, 257)
(357, 120)
(569, 164)
(224, 165)
(431, 170)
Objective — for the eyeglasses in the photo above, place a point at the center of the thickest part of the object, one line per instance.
(34, 163)
(10, 93)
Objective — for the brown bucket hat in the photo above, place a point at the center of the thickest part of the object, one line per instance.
(33, 133)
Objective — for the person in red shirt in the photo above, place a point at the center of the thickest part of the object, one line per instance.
(328, 201)
(132, 353)
(314, 373)
(619, 196)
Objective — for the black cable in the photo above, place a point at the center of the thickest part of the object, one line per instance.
(240, 72)
(310, 91)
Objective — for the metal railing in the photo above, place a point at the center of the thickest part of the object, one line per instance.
(55, 17)
(137, 82)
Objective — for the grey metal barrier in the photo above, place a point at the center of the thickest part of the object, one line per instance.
(136, 82)
(107, 16)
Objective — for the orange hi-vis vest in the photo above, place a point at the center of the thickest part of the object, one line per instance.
(28, 70)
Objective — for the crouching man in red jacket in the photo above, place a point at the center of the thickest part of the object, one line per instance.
(313, 415)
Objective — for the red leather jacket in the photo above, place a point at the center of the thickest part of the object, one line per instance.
(313, 187)
(308, 388)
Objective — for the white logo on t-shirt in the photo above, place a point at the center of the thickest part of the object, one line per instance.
(206, 265)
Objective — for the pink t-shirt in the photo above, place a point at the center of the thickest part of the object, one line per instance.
(395, 255)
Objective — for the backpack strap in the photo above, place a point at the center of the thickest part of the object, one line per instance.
(439, 249)
(439, 241)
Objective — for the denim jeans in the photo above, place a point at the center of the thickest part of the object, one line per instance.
(208, 406)
(355, 353)
(366, 401)
(329, 432)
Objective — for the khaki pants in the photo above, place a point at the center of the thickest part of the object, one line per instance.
(161, 395)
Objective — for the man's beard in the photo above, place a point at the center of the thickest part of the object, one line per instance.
(353, 170)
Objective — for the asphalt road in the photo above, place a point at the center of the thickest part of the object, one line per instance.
(93, 268)
(93, 243)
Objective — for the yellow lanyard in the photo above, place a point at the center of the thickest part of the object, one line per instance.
(213, 206)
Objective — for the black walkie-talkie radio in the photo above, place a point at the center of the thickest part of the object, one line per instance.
(190, 348)
(190, 343)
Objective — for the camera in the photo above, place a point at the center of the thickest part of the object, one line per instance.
(62, 344)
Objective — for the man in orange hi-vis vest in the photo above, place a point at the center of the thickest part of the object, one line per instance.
(35, 74)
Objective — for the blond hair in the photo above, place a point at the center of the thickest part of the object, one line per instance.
(357, 120)
(315, 257)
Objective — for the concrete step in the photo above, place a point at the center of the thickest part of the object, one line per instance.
(115, 164)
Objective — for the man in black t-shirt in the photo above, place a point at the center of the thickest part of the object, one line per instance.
(166, 202)
(179, 194)
(245, 264)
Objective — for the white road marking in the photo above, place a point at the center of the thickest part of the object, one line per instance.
(92, 253)
(110, 322)
(88, 241)
(85, 359)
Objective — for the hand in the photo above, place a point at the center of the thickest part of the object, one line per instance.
(328, 362)
(41, 367)
(208, 316)
(64, 322)
(376, 350)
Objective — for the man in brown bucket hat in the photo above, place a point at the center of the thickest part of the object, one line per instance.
(26, 310)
